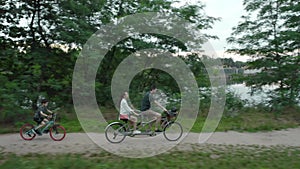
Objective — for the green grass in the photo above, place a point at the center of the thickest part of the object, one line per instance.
(72, 126)
(254, 120)
(249, 119)
(205, 157)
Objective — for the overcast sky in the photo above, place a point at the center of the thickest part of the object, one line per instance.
(230, 12)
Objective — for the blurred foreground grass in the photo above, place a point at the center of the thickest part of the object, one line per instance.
(209, 156)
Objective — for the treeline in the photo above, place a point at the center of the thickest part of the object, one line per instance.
(269, 32)
(41, 40)
(229, 62)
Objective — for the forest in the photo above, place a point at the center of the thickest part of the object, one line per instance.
(42, 39)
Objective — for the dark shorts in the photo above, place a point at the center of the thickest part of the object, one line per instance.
(38, 120)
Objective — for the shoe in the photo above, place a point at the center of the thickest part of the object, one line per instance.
(33, 131)
(157, 130)
(38, 132)
(136, 132)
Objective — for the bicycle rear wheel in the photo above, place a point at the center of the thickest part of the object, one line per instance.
(172, 131)
(26, 133)
(115, 132)
(57, 132)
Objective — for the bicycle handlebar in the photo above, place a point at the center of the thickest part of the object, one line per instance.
(52, 116)
(171, 113)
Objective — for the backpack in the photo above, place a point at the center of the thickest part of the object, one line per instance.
(37, 116)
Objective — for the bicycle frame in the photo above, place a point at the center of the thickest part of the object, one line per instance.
(143, 125)
(49, 124)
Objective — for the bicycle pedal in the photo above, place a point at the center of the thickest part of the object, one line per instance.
(152, 134)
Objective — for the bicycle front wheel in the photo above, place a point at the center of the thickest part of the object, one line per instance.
(115, 132)
(26, 132)
(172, 131)
(57, 133)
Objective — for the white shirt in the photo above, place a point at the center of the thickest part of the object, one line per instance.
(124, 107)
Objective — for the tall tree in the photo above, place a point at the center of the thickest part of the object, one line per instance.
(192, 13)
(42, 38)
(270, 34)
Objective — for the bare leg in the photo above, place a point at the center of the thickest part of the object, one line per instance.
(134, 125)
(133, 120)
(42, 124)
(158, 119)
(157, 116)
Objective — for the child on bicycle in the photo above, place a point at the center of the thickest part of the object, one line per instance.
(41, 116)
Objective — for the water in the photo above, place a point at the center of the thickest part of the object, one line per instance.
(244, 92)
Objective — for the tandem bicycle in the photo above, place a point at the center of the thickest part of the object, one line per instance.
(116, 132)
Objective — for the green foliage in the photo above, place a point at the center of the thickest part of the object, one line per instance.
(41, 40)
(143, 80)
(41, 69)
(234, 104)
(271, 37)
(228, 62)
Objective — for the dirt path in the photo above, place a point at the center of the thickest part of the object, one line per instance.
(81, 143)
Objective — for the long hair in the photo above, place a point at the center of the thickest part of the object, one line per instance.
(121, 97)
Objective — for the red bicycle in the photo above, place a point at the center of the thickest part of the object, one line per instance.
(56, 131)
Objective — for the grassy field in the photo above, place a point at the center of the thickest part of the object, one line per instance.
(253, 120)
(209, 157)
(249, 120)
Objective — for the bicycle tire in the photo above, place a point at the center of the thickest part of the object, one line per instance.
(115, 132)
(57, 132)
(172, 131)
(24, 132)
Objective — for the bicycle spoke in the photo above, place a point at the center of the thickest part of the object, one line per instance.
(172, 131)
(26, 132)
(57, 133)
(115, 133)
